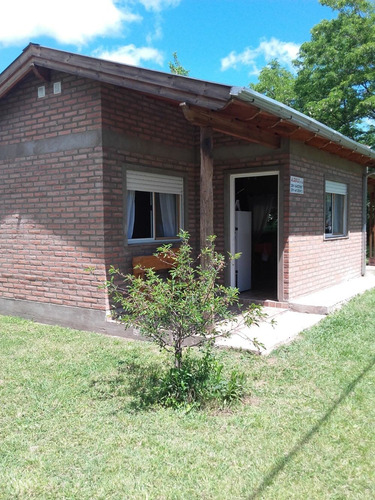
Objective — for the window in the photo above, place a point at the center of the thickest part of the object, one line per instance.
(335, 209)
(154, 206)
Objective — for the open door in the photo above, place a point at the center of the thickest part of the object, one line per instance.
(254, 233)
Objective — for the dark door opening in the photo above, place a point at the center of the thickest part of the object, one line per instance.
(257, 196)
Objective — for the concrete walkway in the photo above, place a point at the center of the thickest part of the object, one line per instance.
(303, 313)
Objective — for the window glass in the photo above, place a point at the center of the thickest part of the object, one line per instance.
(335, 209)
(142, 215)
(328, 210)
(338, 214)
(152, 215)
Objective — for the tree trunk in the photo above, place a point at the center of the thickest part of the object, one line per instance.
(178, 355)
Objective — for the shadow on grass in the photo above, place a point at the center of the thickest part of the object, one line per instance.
(133, 384)
(283, 462)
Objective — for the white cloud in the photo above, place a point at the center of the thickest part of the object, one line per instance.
(70, 21)
(157, 33)
(158, 5)
(132, 55)
(267, 50)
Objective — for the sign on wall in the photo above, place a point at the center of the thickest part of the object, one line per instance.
(296, 184)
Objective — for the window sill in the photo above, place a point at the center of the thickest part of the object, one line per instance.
(336, 237)
(149, 242)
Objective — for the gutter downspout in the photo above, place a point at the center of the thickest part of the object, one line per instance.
(364, 221)
(364, 217)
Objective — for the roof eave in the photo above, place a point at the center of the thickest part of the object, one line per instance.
(293, 116)
(175, 88)
(165, 85)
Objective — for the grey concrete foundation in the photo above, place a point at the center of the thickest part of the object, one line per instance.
(72, 317)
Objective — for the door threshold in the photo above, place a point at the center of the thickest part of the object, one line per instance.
(262, 298)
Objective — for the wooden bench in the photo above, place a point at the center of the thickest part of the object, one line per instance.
(157, 263)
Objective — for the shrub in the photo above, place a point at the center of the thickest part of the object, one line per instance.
(188, 308)
(198, 381)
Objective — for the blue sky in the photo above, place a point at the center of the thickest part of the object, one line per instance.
(225, 41)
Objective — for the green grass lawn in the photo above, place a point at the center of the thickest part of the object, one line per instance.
(73, 424)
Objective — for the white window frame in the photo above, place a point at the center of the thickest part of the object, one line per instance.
(336, 189)
(155, 183)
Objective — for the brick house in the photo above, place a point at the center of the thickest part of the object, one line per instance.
(100, 162)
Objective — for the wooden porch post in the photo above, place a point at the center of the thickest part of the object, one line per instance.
(206, 186)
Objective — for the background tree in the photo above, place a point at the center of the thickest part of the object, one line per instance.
(276, 82)
(176, 68)
(335, 81)
(336, 70)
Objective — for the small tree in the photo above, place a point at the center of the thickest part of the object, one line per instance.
(188, 308)
(176, 68)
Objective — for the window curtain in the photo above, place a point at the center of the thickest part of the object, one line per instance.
(130, 210)
(328, 224)
(261, 208)
(168, 214)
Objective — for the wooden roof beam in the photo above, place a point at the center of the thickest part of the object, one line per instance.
(312, 137)
(254, 115)
(277, 122)
(230, 126)
(43, 74)
(327, 144)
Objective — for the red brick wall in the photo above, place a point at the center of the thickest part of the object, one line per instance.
(61, 211)
(126, 111)
(26, 117)
(311, 262)
(51, 216)
(140, 118)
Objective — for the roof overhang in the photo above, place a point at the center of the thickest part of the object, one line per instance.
(236, 111)
(36, 58)
(288, 122)
(227, 122)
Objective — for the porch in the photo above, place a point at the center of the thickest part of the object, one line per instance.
(300, 314)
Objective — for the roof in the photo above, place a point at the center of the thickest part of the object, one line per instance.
(237, 111)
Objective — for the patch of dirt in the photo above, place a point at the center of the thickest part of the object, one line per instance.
(259, 383)
(226, 411)
(252, 401)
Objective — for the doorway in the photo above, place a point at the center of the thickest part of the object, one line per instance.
(254, 231)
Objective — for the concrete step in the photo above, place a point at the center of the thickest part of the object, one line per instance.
(287, 325)
(330, 299)
(298, 315)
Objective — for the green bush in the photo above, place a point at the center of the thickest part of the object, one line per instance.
(188, 308)
(199, 381)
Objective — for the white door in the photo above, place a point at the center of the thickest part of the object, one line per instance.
(243, 245)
